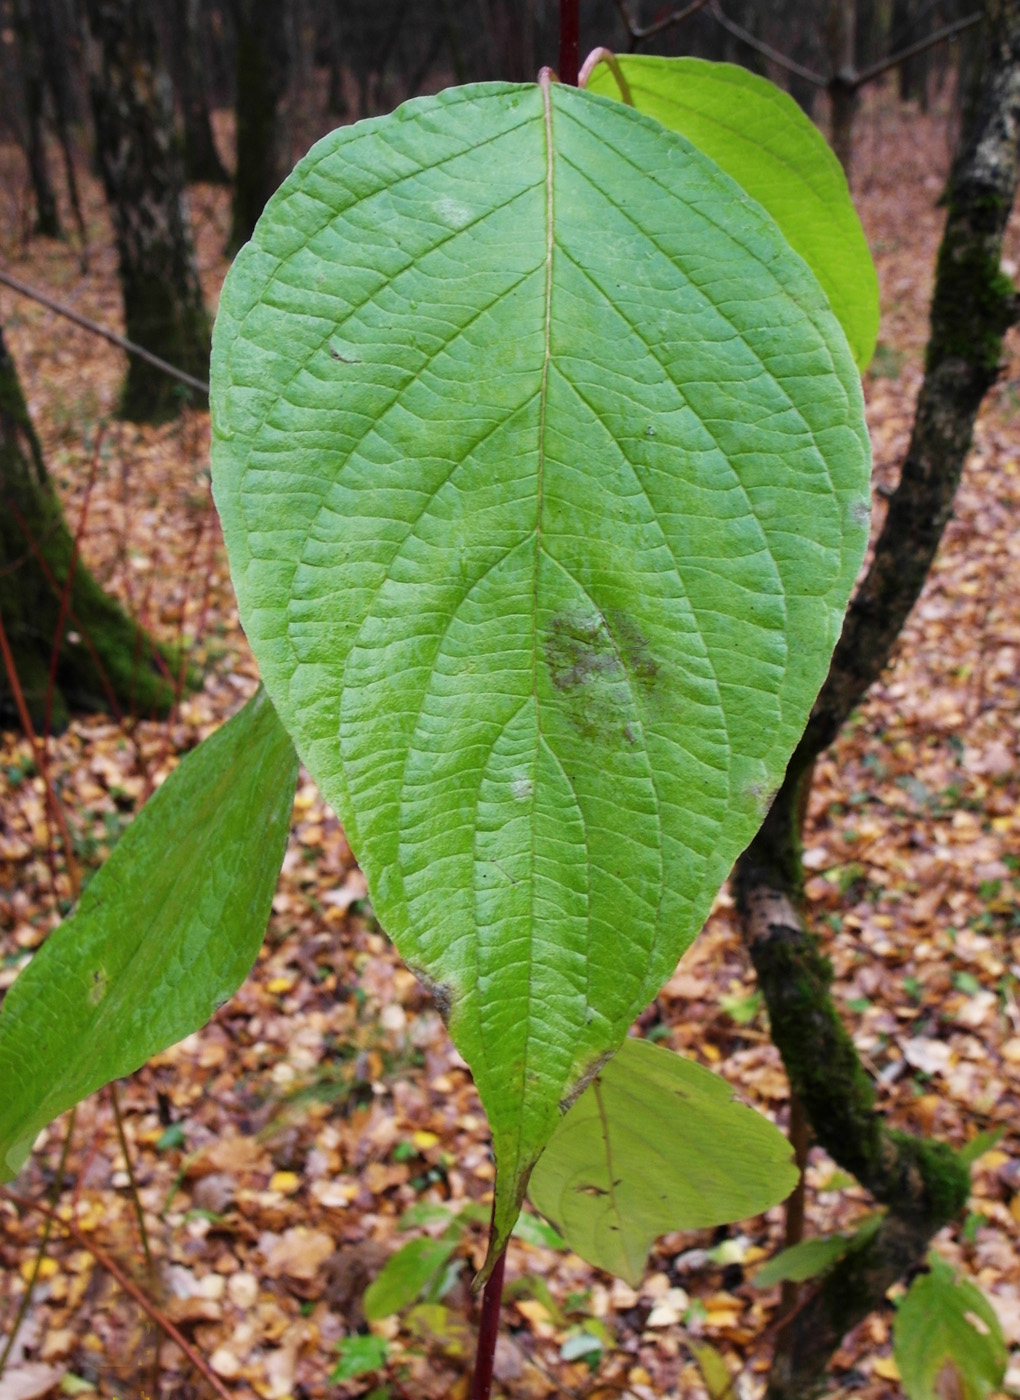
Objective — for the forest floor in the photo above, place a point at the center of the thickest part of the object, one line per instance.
(277, 1152)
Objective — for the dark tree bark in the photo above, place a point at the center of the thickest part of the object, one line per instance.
(923, 1184)
(104, 661)
(201, 158)
(132, 101)
(262, 75)
(47, 220)
(843, 93)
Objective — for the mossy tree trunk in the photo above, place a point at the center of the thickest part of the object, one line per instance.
(140, 161)
(104, 661)
(47, 220)
(922, 1183)
(262, 77)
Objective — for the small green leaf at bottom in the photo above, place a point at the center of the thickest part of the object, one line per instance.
(656, 1143)
(947, 1339)
(358, 1356)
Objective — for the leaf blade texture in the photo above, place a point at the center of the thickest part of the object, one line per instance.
(165, 931)
(542, 505)
(938, 1348)
(760, 137)
(656, 1143)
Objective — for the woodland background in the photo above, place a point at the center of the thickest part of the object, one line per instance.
(251, 1181)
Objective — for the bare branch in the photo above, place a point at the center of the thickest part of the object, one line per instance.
(121, 341)
(949, 31)
(766, 50)
(637, 33)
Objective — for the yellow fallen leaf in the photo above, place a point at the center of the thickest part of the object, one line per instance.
(885, 1367)
(278, 985)
(47, 1268)
(285, 1182)
(424, 1140)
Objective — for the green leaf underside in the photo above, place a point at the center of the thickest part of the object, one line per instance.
(656, 1143)
(544, 479)
(164, 933)
(760, 137)
(935, 1332)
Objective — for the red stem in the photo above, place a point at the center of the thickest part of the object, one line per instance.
(488, 1330)
(570, 53)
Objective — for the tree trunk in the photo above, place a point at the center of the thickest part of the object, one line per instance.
(47, 220)
(262, 70)
(132, 102)
(201, 158)
(843, 94)
(99, 658)
(921, 1182)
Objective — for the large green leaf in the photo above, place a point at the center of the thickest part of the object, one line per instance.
(947, 1338)
(656, 1143)
(165, 931)
(543, 474)
(758, 134)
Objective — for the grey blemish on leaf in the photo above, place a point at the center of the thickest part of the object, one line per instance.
(860, 513)
(98, 985)
(762, 796)
(344, 359)
(522, 789)
(589, 1075)
(440, 992)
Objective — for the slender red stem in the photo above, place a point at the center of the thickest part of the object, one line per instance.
(488, 1330)
(570, 50)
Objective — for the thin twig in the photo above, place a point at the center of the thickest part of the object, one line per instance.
(637, 33)
(121, 341)
(129, 1286)
(949, 31)
(766, 50)
(132, 1182)
(39, 749)
(606, 56)
(58, 1186)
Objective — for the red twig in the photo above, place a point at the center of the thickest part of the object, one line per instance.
(570, 45)
(488, 1330)
(130, 1287)
(39, 748)
(41, 560)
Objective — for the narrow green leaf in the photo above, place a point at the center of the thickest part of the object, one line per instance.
(164, 933)
(543, 474)
(983, 1142)
(812, 1257)
(760, 137)
(656, 1143)
(405, 1274)
(947, 1338)
(714, 1371)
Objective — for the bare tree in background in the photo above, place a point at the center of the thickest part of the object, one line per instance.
(262, 77)
(47, 220)
(140, 162)
(201, 158)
